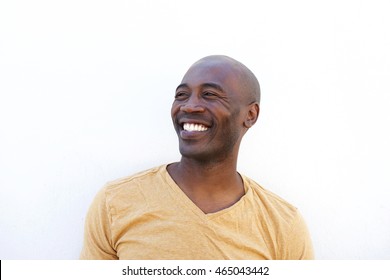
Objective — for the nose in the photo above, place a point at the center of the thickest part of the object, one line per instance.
(192, 105)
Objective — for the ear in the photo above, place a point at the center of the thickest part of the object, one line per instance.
(252, 115)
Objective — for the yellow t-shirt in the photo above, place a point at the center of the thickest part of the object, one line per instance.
(147, 216)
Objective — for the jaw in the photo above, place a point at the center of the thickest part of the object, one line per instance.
(195, 144)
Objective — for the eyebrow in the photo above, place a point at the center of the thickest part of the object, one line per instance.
(212, 85)
(182, 85)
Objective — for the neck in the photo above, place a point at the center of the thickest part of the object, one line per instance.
(212, 186)
(208, 171)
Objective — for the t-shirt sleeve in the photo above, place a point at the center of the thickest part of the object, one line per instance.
(299, 245)
(98, 243)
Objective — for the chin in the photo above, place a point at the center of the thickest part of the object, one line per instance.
(204, 157)
(193, 153)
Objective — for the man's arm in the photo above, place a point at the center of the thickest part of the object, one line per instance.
(299, 245)
(97, 233)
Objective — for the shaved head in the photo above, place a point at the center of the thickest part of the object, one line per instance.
(248, 82)
(215, 104)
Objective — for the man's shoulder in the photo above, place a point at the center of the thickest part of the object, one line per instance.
(285, 224)
(136, 177)
(132, 190)
(146, 179)
(271, 201)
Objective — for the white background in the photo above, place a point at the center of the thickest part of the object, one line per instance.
(86, 89)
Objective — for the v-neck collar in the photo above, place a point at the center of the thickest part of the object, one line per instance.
(183, 199)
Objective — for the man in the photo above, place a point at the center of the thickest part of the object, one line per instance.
(200, 207)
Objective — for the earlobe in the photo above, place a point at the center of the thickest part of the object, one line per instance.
(252, 115)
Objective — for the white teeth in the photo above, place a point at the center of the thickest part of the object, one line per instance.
(194, 127)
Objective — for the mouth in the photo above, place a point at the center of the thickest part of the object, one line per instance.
(194, 127)
(191, 130)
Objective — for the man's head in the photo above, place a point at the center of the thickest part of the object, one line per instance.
(215, 104)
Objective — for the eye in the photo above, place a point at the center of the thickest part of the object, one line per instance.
(209, 94)
(180, 95)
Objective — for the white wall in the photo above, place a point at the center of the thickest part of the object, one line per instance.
(86, 88)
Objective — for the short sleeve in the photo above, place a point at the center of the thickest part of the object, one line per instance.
(97, 233)
(299, 245)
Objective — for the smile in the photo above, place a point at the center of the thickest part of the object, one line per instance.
(194, 127)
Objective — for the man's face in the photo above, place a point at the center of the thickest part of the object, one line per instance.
(209, 111)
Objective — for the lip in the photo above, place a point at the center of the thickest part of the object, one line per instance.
(192, 135)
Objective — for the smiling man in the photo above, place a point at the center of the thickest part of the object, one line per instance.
(199, 207)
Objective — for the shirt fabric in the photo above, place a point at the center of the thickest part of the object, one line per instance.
(147, 216)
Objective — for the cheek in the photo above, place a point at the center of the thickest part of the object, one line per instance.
(240, 115)
(235, 123)
(174, 109)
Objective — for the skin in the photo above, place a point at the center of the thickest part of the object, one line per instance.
(223, 95)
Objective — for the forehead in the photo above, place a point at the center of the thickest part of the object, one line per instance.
(211, 72)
